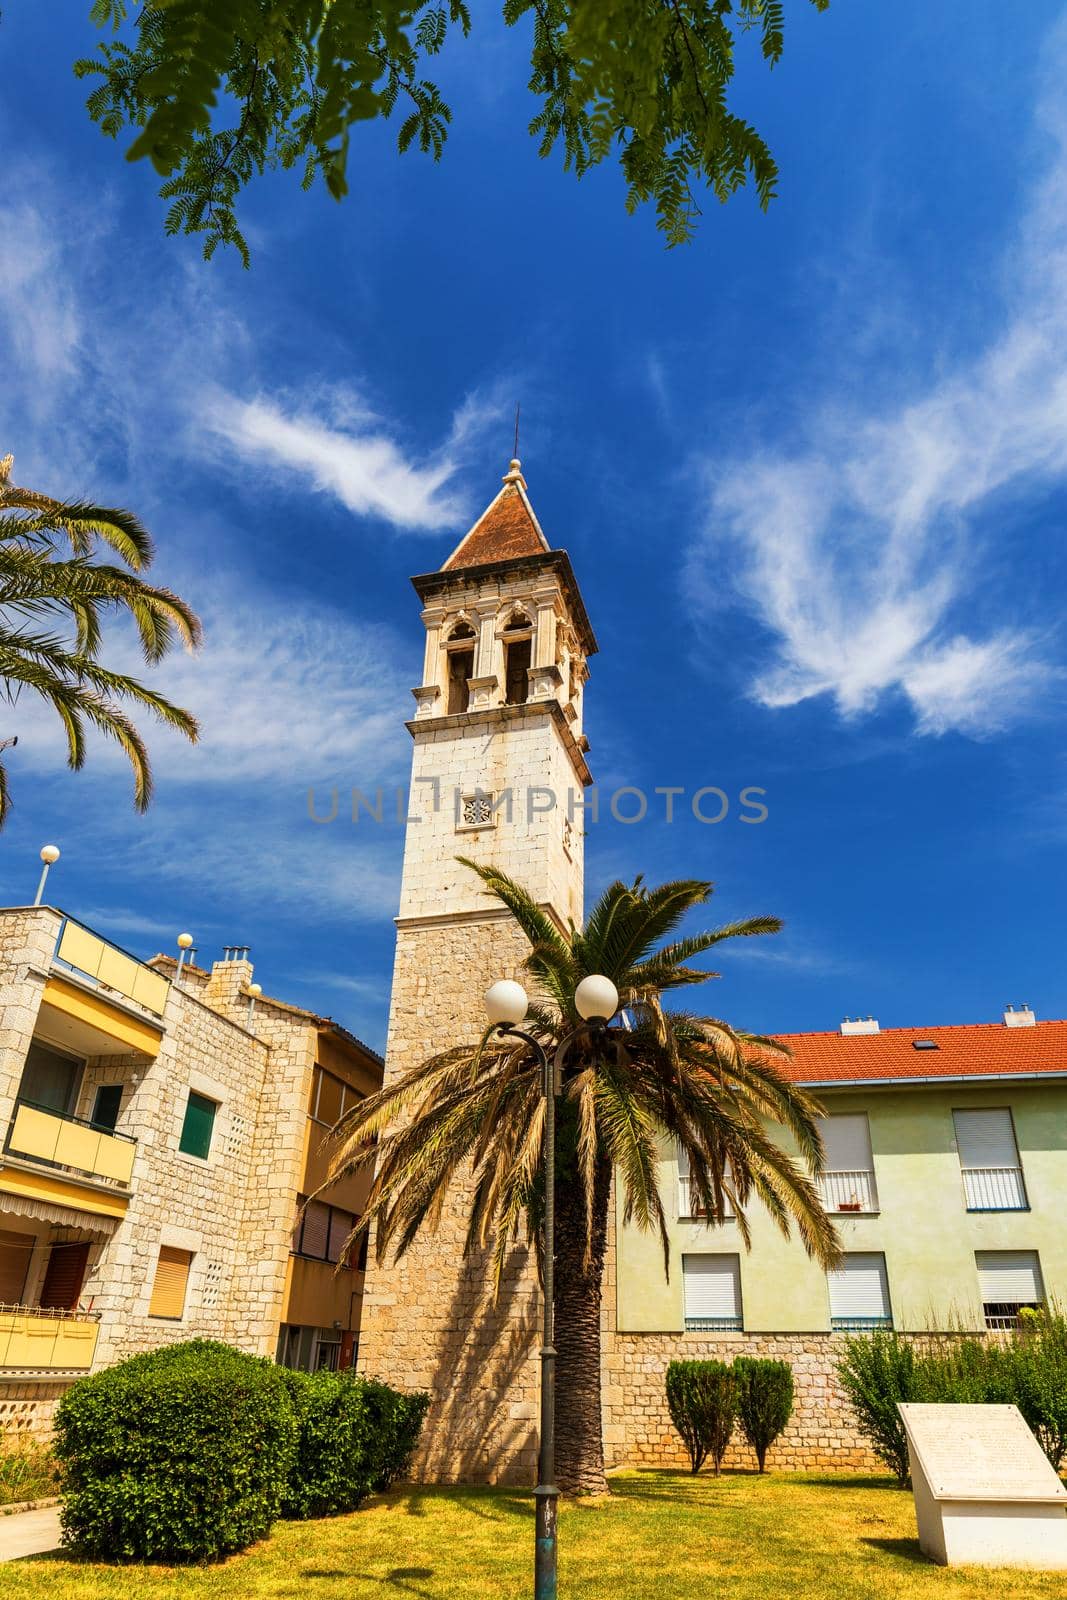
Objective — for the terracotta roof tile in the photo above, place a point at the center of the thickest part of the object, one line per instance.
(964, 1050)
(506, 529)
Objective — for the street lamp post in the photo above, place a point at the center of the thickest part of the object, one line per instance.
(596, 1000)
(49, 855)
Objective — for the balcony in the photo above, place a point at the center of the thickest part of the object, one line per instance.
(994, 1189)
(848, 1191)
(37, 1134)
(36, 1341)
(111, 969)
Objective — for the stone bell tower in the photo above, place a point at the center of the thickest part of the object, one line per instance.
(498, 774)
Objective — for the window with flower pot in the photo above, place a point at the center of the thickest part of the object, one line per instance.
(848, 1182)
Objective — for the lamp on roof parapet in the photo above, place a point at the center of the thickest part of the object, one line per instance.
(49, 855)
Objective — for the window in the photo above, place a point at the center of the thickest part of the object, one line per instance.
(331, 1097)
(321, 1231)
(460, 667)
(15, 1252)
(64, 1276)
(172, 1281)
(688, 1205)
(50, 1079)
(989, 1160)
(711, 1292)
(848, 1182)
(518, 656)
(859, 1293)
(106, 1106)
(198, 1126)
(1008, 1280)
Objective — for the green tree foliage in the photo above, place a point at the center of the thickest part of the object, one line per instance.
(53, 599)
(182, 1454)
(764, 1401)
(219, 91)
(353, 1437)
(702, 1398)
(668, 1079)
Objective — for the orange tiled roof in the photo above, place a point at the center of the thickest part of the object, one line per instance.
(506, 529)
(964, 1050)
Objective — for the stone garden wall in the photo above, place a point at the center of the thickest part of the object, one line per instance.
(637, 1427)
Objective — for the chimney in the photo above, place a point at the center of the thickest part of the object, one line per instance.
(1023, 1018)
(227, 988)
(859, 1025)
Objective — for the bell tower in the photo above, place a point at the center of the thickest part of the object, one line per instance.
(498, 774)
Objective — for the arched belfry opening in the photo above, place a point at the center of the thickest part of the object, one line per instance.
(517, 637)
(460, 650)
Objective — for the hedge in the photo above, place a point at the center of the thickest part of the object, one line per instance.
(1028, 1370)
(353, 1437)
(191, 1452)
(182, 1454)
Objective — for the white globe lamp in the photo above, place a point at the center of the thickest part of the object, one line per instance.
(596, 999)
(506, 1003)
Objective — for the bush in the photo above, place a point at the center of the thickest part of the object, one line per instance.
(28, 1471)
(702, 1400)
(876, 1372)
(764, 1401)
(182, 1454)
(1029, 1370)
(353, 1437)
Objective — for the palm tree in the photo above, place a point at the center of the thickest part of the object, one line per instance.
(50, 621)
(475, 1114)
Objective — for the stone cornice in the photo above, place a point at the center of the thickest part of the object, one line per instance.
(500, 716)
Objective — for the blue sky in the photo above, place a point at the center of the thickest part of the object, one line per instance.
(811, 471)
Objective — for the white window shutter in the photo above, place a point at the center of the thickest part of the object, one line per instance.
(848, 1142)
(986, 1138)
(859, 1287)
(684, 1204)
(1010, 1277)
(711, 1288)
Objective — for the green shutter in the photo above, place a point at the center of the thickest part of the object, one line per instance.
(197, 1127)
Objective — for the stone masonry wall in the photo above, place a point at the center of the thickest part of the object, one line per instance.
(428, 1320)
(821, 1434)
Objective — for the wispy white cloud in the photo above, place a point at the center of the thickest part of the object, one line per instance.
(859, 547)
(338, 447)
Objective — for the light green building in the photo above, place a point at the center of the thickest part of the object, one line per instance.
(947, 1150)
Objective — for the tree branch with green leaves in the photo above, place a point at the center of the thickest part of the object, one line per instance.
(218, 92)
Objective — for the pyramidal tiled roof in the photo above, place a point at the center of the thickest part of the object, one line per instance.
(506, 529)
(964, 1050)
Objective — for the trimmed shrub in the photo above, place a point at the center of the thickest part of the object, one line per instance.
(353, 1437)
(764, 1401)
(876, 1372)
(182, 1454)
(702, 1400)
(1037, 1362)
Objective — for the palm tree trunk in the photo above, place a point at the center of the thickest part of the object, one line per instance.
(579, 1439)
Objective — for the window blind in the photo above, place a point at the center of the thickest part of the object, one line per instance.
(316, 1232)
(688, 1205)
(848, 1142)
(64, 1276)
(859, 1287)
(15, 1251)
(711, 1287)
(986, 1138)
(172, 1281)
(340, 1227)
(198, 1126)
(1010, 1277)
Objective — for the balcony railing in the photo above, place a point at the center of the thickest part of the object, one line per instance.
(994, 1189)
(39, 1134)
(848, 1191)
(39, 1340)
(111, 968)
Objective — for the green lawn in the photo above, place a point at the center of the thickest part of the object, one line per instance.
(662, 1536)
